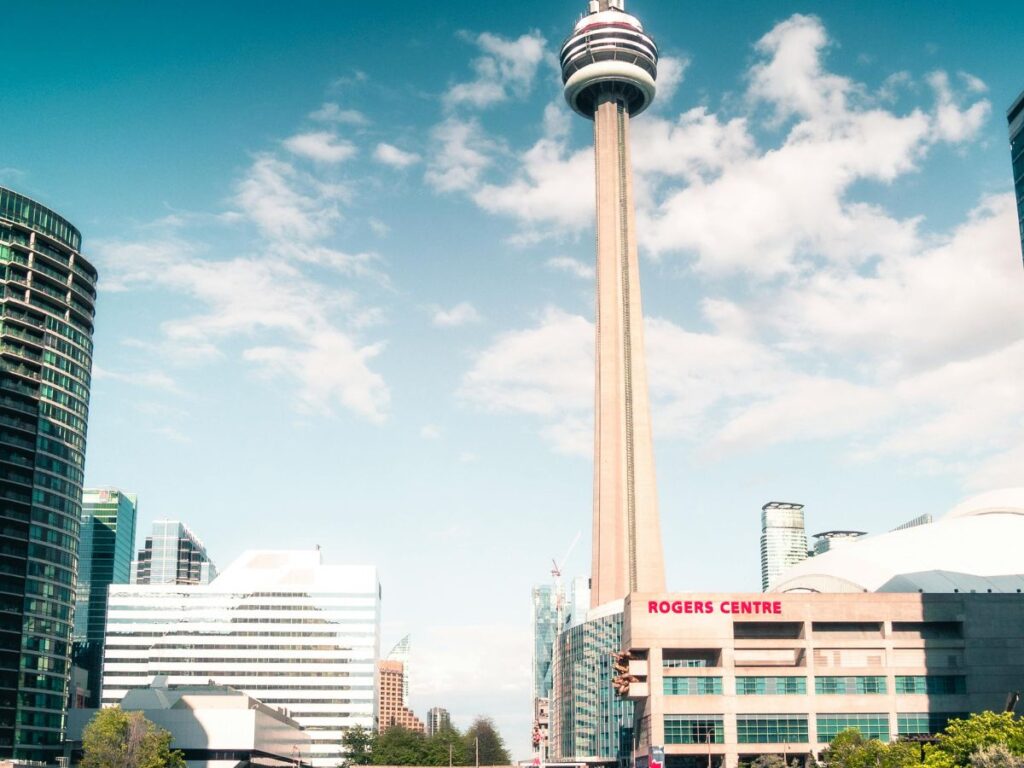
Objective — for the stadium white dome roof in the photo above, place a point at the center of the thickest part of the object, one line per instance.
(978, 546)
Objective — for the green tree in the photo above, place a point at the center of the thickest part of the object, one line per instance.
(851, 750)
(482, 733)
(118, 739)
(446, 743)
(399, 746)
(962, 739)
(358, 743)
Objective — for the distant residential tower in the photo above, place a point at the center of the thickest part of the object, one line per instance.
(783, 539)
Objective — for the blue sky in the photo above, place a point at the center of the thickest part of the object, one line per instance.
(345, 257)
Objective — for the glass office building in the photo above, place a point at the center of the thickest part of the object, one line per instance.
(589, 722)
(1015, 119)
(546, 625)
(172, 555)
(104, 558)
(46, 326)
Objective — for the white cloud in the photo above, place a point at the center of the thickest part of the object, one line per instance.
(917, 360)
(951, 123)
(671, 70)
(321, 146)
(506, 70)
(393, 156)
(158, 380)
(792, 78)
(330, 369)
(430, 432)
(553, 188)
(329, 112)
(693, 171)
(275, 309)
(572, 266)
(462, 153)
(461, 314)
(286, 203)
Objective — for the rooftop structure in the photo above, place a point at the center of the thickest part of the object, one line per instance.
(827, 540)
(214, 726)
(974, 547)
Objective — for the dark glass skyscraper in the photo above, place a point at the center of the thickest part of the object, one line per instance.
(1015, 118)
(172, 555)
(46, 326)
(104, 558)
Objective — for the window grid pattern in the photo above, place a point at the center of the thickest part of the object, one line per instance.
(864, 684)
(694, 729)
(934, 684)
(771, 729)
(770, 686)
(871, 726)
(924, 723)
(692, 686)
(683, 663)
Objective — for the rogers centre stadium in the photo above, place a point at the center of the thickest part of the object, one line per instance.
(893, 635)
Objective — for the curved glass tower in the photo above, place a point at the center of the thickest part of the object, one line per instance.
(46, 326)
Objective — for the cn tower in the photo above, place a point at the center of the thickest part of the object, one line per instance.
(609, 66)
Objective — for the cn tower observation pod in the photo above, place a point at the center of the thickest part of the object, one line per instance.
(608, 52)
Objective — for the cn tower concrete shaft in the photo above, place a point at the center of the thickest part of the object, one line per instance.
(627, 550)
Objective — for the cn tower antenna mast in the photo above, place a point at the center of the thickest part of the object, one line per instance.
(609, 67)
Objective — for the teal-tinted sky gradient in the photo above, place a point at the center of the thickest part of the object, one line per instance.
(345, 254)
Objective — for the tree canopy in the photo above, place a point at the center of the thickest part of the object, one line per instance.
(983, 740)
(400, 746)
(118, 739)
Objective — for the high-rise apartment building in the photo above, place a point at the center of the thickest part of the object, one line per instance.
(1015, 120)
(172, 555)
(391, 709)
(783, 539)
(279, 625)
(104, 558)
(438, 719)
(46, 326)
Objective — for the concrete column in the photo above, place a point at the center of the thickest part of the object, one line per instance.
(627, 552)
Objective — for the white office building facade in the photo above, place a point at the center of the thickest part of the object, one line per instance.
(298, 635)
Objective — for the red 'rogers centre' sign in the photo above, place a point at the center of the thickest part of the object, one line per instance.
(710, 606)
